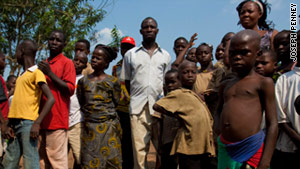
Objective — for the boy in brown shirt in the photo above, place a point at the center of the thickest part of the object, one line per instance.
(194, 140)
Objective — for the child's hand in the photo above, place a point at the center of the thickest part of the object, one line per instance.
(7, 132)
(201, 96)
(11, 92)
(34, 132)
(193, 38)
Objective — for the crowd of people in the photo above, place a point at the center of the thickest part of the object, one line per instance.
(241, 112)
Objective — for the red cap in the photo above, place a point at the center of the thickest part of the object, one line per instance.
(129, 40)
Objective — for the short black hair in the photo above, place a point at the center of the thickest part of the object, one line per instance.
(208, 45)
(61, 32)
(10, 77)
(227, 37)
(271, 52)
(180, 38)
(30, 47)
(172, 71)
(280, 33)
(86, 42)
(149, 17)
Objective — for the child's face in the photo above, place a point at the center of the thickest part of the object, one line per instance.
(80, 62)
(249, 15)
(282, 46)
(172, 81)
(12, 82)
(188, 75)
(179, 46)
(220, 52)
(242, 55)
(2, 61)
(81, 47)
(204, 55)
(265, 65)
(99, 61)
(191, 56)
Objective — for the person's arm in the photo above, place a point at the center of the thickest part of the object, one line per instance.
(181, 55)
(6, 131)
(291, 132)
(268, 101)
(62, 86)
(281, 103)
(11, 92)
(217, 114)
(34, 132)
(274, 33)
(116, 93)
(126, 70)
(160, 109)
(80, 92)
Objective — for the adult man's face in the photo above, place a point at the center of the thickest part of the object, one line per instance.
(56, 43)
(149, 29)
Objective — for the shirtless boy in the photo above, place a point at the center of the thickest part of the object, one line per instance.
(242, 100)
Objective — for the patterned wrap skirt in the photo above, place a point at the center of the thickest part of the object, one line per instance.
(101, 145)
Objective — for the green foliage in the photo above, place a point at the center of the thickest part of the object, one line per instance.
(36, 19)
(116, 39)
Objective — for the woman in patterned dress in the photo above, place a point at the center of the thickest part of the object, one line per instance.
(98, 95)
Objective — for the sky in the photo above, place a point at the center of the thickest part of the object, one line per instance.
(211, 19)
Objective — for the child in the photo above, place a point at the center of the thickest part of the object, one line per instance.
(127, 43)
(220, 73)
(75, 115)
(204, 56)
(179, 44)
(242, 100)
(282, 49)
(219, 56)
(220, 52)
(194, 141)
(287, 88)
(11, 84)
(266, 63)
(98, 95)
(24, 115)
(83, 45)
(181, 54)
(191, 55)
(169, 125)
(3, 106)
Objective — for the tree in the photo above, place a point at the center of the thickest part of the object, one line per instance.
(116, 39)
(36, 19)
